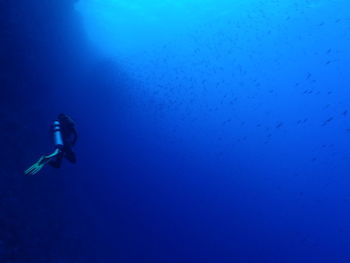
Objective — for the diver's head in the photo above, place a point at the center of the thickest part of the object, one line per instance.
(63, 118)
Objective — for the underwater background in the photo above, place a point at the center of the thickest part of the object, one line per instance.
(209, 131)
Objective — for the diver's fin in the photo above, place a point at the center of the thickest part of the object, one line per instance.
(36, 168)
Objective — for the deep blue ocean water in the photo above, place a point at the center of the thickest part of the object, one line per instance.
(212, 131)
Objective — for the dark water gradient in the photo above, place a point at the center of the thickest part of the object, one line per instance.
(205, 161)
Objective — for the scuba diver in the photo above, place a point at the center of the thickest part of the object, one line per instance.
(65, 137)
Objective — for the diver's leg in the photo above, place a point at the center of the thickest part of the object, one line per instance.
(57, 161)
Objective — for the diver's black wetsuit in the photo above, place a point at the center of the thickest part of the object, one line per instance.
(70, 137)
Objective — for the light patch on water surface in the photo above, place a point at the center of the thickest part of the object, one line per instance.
(119, 26)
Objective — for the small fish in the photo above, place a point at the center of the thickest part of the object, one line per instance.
(279, 125)
(327, 121)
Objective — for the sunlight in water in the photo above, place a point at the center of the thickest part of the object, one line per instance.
(124, 25)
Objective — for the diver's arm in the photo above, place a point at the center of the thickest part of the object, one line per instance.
(75, 134)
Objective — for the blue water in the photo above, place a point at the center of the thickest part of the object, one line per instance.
(236, 130)
(210, 131)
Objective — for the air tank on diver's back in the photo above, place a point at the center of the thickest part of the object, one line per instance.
(57, 135)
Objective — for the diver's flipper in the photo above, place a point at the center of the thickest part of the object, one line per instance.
(35, 168)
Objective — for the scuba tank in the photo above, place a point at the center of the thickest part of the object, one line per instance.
(57, 135)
